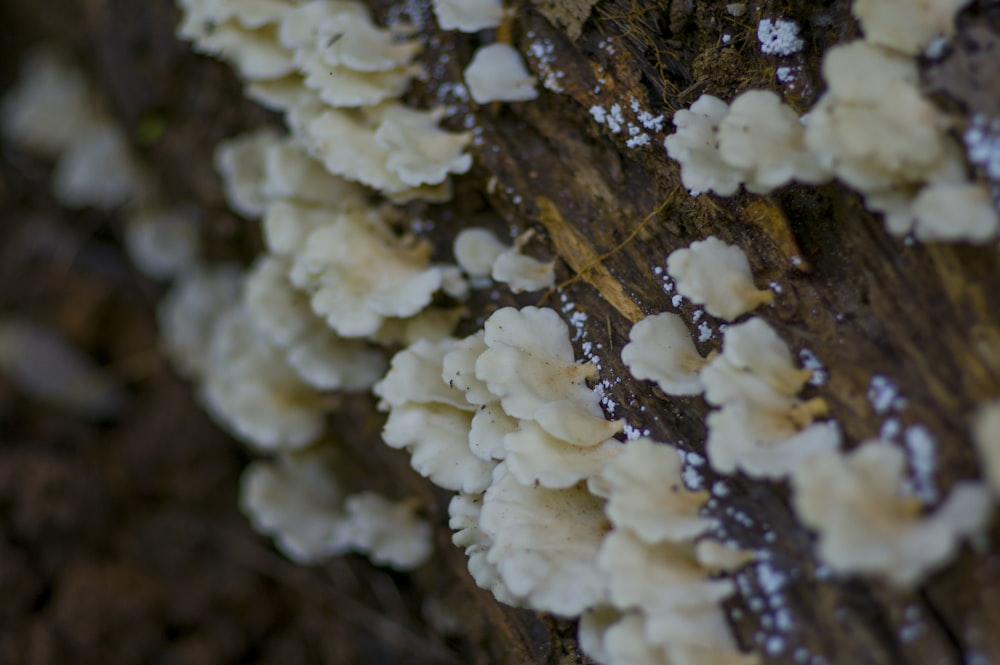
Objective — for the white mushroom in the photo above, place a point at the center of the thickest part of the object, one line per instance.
(437, 437)
(955, 212)
(718, 276)
(418, 151)
(468, 15)
(497, 74)
(545, 543)
(490, 426)
(764, 139)
(241, 164)
(415, 375)
(754, 346)
(298, 500)
(249, 388)
(463, 519)
(868, 525)
(458, 369)
(767, 441)
(907, 25)
(695, 145)
(476, 251)
(646, 494)
(388, 532)
(189, 311)
(534, 456)
(661, 349)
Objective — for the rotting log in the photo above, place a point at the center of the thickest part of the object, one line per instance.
(926, 317)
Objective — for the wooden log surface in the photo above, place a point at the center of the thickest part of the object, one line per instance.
(865, 304)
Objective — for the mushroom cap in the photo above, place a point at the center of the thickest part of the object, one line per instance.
(661, 349)
(497, 74)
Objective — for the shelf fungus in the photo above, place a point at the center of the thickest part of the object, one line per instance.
(695, 145)
(250, 389)
(359, 274)
(468, 15)
(529, 365)
(761, 426)
(661, 349)
(718, 276)
(868, 524)
(545, 543)
(646, 494)
(463, 520)
(476, 251)
(318, 355)
(497, 74)
(297, 498)
(431, 419)
(764, 138)
(663, 601)
(905, 25)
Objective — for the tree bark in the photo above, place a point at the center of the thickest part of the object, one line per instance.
(926, 317)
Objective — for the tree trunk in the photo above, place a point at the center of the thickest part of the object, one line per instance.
(925, 317)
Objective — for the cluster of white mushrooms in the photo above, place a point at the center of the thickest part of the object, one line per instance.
(875, 132)
(867, 521)
(554, 511)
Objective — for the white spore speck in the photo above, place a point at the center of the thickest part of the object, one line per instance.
(677, 300)
(783, 620)
(775, 645)
(982, 144)
(810, 361)
(637, 141)
(779, 36)
(920, 444)
(787, 74)
(890, 430)
(882, 393)
(692, 478)
(705, 331)
(770, 580)
(694, 459)
(615, 119)
(720, 489)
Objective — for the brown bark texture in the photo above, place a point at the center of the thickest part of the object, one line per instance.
(134, 522)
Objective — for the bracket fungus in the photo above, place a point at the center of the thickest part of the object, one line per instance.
(476, 251)
(661, 349)
(545, 543)
(646, 494)
(497, 74)
(718, 276)
(695, 145)
(299, 501)
(867, 524)
(468, 15)
(906, 25)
